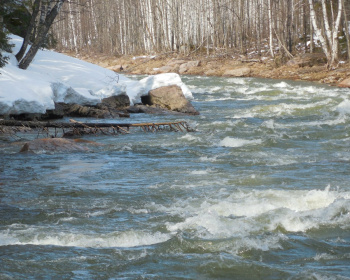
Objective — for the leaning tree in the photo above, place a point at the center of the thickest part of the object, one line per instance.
(44, 13)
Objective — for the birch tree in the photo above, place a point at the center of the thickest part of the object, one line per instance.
(123, 27)
(49, 11)
(328, 38)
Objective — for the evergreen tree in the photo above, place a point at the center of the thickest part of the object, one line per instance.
(5, 46)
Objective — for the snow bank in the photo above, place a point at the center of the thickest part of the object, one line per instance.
(54, 77)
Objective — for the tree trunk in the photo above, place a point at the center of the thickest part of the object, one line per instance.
(346, 23)
(289, 24)
(335, 41)
(318, 31)
(270, 28)
(39, 39)
(30, 29)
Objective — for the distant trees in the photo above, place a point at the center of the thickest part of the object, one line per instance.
(279, 28)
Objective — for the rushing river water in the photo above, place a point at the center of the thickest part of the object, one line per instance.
(261, 190)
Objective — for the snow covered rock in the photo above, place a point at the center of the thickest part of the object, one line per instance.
(156, 81)
(170, 98)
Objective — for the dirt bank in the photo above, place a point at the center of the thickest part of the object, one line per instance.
(304, 67)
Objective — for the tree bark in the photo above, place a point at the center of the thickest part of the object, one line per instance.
(270, 28)
(346, 30)
(335, 41)
(318, 31)
(36, 7)
(42, 33)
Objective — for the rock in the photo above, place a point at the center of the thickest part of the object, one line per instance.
(116, 68)
(210, 72)
(117, 102)
(54, 145)
(170, 98)
(164, 69)
(345, 83)
(57, 113)
(176, 62)
(75, 110)
(27, 117)
(115, 105)
(238, 72)
(185, 67)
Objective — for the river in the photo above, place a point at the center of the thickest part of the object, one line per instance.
(261, 190)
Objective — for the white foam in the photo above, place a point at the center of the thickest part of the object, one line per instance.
(41, 236)
(238, 81)
(245, 213)
(282, 85)
(189, 137)
(344, 107)
(200, 172)
(236, 142)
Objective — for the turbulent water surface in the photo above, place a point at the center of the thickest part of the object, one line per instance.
(261, 190)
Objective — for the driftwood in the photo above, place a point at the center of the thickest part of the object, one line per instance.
(80, 128)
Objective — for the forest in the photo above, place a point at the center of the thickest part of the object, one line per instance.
(280, 28)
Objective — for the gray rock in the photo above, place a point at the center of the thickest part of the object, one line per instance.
(121, 101)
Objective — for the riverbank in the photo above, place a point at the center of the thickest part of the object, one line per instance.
(307, 67)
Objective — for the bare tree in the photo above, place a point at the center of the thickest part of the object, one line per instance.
(328, 38)
(122, 27)
(49, 11)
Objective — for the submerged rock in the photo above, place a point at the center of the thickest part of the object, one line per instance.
(56, 145)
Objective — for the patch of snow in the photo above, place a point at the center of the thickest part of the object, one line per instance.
(54, 77)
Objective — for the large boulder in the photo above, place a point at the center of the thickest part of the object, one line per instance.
(170, 98)
(185, 67)
(56, 145)
(57, 113)
(238, 72)
(164, 69)
(121, 101)
(345, 83)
